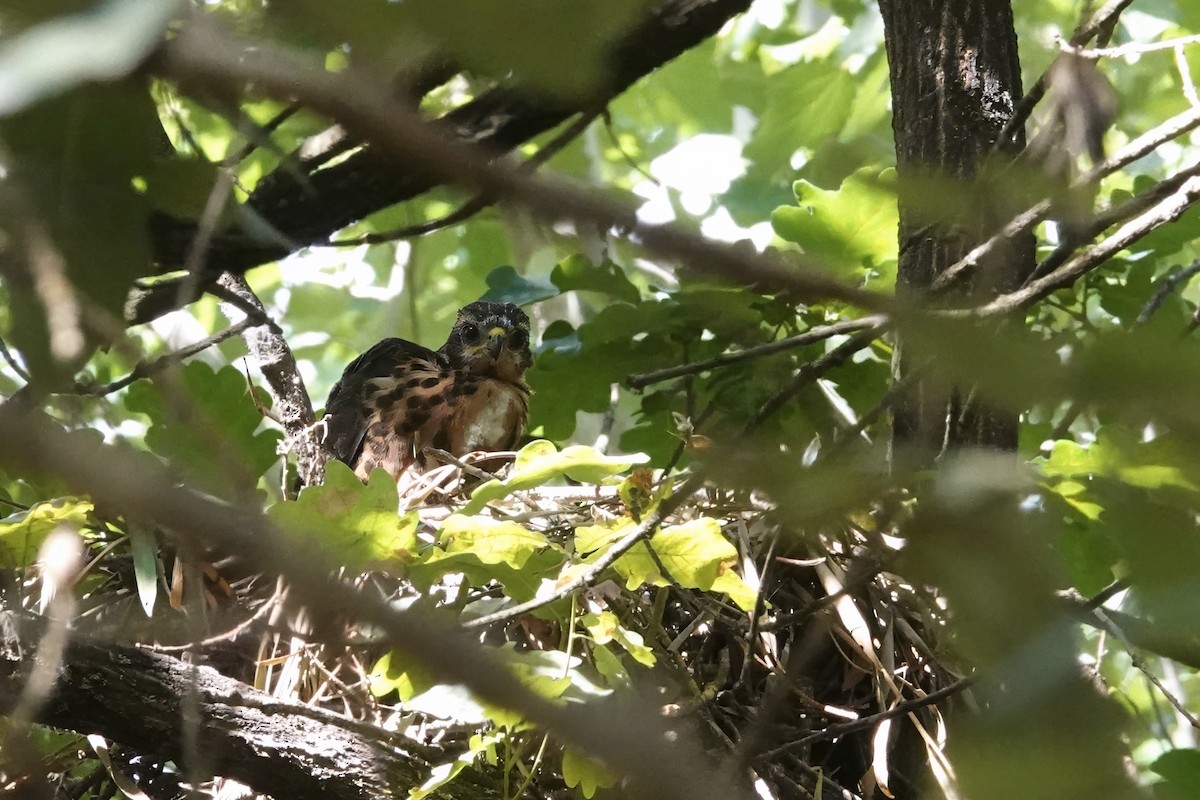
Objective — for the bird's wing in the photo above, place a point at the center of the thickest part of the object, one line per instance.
(347, 411)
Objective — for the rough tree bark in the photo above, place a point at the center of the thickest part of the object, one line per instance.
(278, 747)
(955, 80)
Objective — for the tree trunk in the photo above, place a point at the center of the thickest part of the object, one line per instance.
(955, 81)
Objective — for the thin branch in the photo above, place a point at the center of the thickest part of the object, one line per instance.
(1115, 631)
(898, 710)
(808, 374)
(218, 197)
(894, 392)
(144, 369)
(592, 573)
(226, 636)
(480, 201)
(461, 214)
(1167, 210)
(1104, 220)
(1185, 77)
(1166, 286)
(1146, 143)
(263, 132)
(643, 379)
(201, 54)
(1131, 49)
(1103, 20)
(278, 366)
(12, 362)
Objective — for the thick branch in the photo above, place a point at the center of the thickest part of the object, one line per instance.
(201, 55)
(278, 747)
(308, 207)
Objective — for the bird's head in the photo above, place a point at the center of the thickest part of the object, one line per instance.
(490, 339)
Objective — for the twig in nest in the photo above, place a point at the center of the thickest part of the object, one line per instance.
(228, 635)
(898, 710)
(588, 576)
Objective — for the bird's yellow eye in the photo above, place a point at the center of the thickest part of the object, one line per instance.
(518, 340)
(470, 332)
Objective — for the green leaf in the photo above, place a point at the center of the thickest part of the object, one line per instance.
(577, 273)
(850, 229)
(561, 49)
(1181, 769)
(695, 553)
(520, 584)
(107, 42)
(505, 285)
(396, 672)
(490, 540)
(210, 435)
(87, 204)
(441, 774)
(604, 627)
(585, 773)
(589, 538)
(21, 534)
(539, 462)
(360, 523)
(144, 548)
(789, 122)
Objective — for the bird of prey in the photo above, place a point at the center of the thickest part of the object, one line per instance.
(399, 397)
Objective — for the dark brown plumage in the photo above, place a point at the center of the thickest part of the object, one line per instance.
(399, 397)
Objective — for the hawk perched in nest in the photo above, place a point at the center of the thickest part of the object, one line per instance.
(398, 397)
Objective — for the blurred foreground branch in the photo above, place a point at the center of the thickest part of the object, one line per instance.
(659, 760)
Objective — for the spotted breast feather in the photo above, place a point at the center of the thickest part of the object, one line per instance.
(399, 398)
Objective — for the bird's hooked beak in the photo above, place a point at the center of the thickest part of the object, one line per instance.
(495, 342)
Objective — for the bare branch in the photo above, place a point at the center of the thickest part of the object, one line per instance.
(203, 55)
(809, 373)
(1166, 286)
(278, 365)
(480, 201)
(1102, 21)
(144, 369)
(643, 379)
(1144, 144)
(1132, 49)
(898, 710)
(12, 362)
(1167, 210)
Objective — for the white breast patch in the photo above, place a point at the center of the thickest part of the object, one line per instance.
(491, 417)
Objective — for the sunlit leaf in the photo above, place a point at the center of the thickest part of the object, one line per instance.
(505, 285)
(849, 229)
(605, 627)
(206, 424)
(22, 533)
(539, 462)
(492, 541)
(587, 774)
